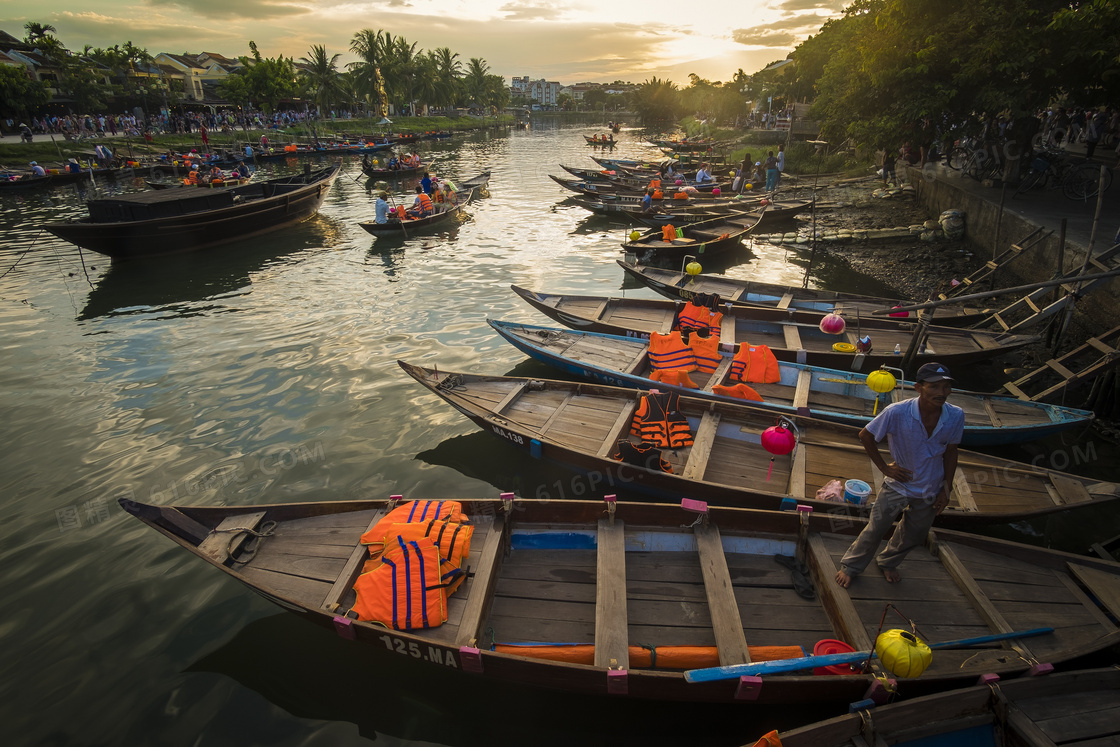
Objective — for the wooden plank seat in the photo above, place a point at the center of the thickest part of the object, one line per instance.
(349, 574)
(731, 641)
(483, 570)
(611, 626)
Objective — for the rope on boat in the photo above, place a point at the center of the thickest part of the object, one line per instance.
(23, 254)
(267, 530)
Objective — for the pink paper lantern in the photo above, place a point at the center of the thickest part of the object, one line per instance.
(778, 440)
(832, 324)
(898, 313)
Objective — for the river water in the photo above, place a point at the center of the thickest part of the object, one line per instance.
(263, 372)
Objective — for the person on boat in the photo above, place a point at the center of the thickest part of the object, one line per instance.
(381, 208)
(193, 175)
(242, 170)
(72, 165)
(704, 174)
(422, 205)
(923, 434)
(426, 183)
(450, 196)
(394, 164)
(647, 201)
(37, 170)
(264, 142)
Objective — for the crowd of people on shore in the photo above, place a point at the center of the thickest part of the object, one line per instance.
(69, 126)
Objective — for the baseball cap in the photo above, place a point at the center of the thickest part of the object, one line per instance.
(933, 372)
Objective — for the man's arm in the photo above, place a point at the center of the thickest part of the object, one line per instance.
(892, 470)
(949, 462)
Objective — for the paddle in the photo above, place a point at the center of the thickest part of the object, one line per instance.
(714, 674)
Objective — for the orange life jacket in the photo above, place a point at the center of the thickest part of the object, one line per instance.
(658, 194)
(740, 391)
(658, 421)
(412, 512)
(755, 364)
(680, 196)
(706, 352)
(674, 377)
(668, 233)
(669, 351)
(695, 316)
(452, 539)
(408, 589)
(425, 203)
(654, 184)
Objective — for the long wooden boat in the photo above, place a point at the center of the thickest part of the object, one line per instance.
(467, 190)
(160, 222)
(375, 173)
(792, 335)
(600, 141)
(623, 596)
(753, 294)
(597, 188)
(838, 396)
(702, 239)
(223, 184)
(1068, 708)
(21, 182)
(767, 214)
(579, 426)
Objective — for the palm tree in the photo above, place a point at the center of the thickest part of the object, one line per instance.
(405, 68)
(474, 82)
(374, 50)
(448, 72)
(38, 31)
(320, 77)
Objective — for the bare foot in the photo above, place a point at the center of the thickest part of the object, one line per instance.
(891, 575)
(843, 579)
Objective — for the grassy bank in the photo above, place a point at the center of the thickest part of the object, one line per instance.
(16, 155)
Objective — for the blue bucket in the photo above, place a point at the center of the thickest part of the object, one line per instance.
(856, 491)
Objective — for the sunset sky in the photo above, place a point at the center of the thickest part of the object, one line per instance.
(565, 40)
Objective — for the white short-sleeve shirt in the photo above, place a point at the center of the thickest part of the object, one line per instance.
(911, 448)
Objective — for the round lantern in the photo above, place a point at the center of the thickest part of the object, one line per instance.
(778, 440)
(880, 382)
(764, 202)
(693, 268)
(832, 324)
(748, 186)
(903, 653)
(899, 314)
(716, 192)
(635, 235)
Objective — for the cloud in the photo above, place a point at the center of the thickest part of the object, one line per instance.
(255, 9)
(832, 7)
(530, 12)
(786, 33)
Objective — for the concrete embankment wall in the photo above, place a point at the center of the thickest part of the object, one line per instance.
(1095, 313)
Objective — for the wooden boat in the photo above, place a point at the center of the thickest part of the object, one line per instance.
(579, 426)
(20, 182)
(837, 396)
(600, 141)
(597, 188)
(749, 293)
(200, 185)
(159, 222)
(375, 173)
(467, 190)
(616, 577)
(700, 239)
(1068, 708)
(792, 336)
(766, 215)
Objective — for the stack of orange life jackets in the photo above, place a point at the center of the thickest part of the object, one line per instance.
(418, 553)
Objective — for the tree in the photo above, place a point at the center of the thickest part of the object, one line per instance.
(656, 101)
(38, 31)
(320, 78)
(265, 82)
(474, 82)
(19, 93)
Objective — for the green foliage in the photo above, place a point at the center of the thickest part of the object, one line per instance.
(263, 82)
(320, 78)
(1087, 47)
(18, 92)
(657, 102)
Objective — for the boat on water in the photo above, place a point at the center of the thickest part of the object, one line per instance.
(211, 184)
(837, 396)
(749, 293)
(617, 599)
(448, 213)
(608, 142)
(701, 239)
(1080, 707)
(792, 335)
(158, 222)
(375, 172)
(767, 213)
(587, 428)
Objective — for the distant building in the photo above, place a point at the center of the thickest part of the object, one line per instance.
(197, 75)
(542, 92)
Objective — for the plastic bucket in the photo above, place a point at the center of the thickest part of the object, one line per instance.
(833, 646)
(856, 491)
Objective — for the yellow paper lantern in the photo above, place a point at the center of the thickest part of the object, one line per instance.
(693, 268)
(748, 186)
(881, 381)
(903, 653)
(635, 235)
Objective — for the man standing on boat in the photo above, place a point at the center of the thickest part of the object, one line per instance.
(923, 433)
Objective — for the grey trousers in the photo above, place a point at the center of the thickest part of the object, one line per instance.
(917, 518)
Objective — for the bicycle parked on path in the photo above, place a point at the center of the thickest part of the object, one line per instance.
(1052, 168)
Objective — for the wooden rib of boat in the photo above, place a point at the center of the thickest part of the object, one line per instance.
(791, 335)
(702, 239)
(749, 293)
(838, 396)
(1078, 708)
(579, 425)
(623, 576)
(160, 222)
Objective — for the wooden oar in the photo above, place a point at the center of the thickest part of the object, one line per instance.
(713, 674)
